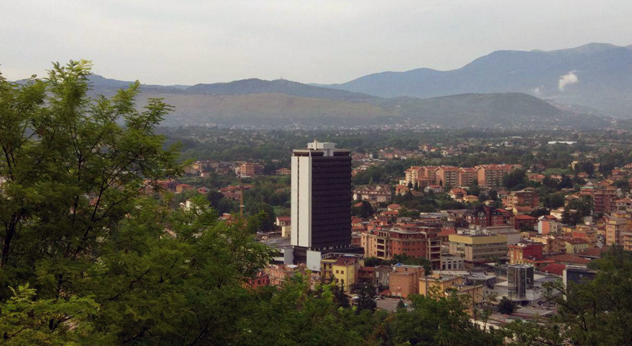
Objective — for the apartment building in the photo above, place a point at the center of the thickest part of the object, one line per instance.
(617, 223)
(404, 280)
(385, 244)
(447, 176)
(467, 176)
(492, 175)
(524, 198)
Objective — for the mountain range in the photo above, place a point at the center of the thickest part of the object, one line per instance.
(595, 75)
(584, 87)
(282, 103)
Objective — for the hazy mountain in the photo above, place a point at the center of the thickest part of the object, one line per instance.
(594, 75)
(281, 103)
(280, 86)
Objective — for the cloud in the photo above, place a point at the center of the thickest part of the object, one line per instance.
(537, 91)
(567, 79)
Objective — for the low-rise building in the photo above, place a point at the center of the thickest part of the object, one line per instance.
(443, 284)
(524, 198)
(373, 194)
(404, 280)
(345, 271)
(384, 244)
(451, 262)
(478, 248)
(525, 252)
(576, 245)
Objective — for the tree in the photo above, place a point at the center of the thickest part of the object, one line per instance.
(506, 306)
(401, 304)
(473, 188)
(436, 321)
(554, 201)
(76, 225)
(364, 211)
(341, 298)
(366, 298)
(72, 172)
(372, 262)
(515, 179)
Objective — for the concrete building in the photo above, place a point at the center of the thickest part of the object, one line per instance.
(247, 170)
(617, 223)
(404, 280)
(373, 194)
(384, 244)
(321, 195)
(478, 248)
(451, 262)
(345, 272)
(525, 252)
(548, 224)
(520, 279)
(492, 175)
(284, 223)
(447, 176)
(443, 284)
(467, 176)
(553, 244)
(577, 274)
(605, 199)
(575, 246)
(525, 198)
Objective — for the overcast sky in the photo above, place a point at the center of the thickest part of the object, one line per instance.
(320, 41)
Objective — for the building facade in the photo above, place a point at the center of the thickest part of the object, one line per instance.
(478, 248)
(321, 199)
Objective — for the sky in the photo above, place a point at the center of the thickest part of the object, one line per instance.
(310, 41)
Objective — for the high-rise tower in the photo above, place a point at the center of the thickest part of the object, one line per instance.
(321, 200)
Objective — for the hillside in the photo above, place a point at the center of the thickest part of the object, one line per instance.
(594, 75)
(285, 104)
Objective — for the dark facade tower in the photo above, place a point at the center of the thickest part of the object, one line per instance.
(321, 199)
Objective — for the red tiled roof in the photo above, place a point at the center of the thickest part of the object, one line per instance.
(524, 217)
(568, 258)
(345, 261)
(556, 269)
(577, 241)
(594, 252)
(446, 232)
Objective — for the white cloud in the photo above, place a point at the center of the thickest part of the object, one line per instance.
(567, 79)
(537, 91)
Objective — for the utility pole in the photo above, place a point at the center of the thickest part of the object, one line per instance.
(241, 198)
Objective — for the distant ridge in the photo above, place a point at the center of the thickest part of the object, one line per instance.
(282, 103)
(256, 86)
(601, 77)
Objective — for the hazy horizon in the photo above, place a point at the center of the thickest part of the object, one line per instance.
(168, 42)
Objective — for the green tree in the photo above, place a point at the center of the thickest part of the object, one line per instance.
(401, 304)
(515, 179)
(76, 227)
(366, 298)
(506, 306)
